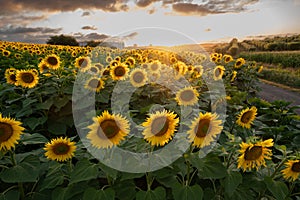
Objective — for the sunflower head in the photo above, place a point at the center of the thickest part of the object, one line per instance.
(53, 61)
(94, 84)
(227, 58)
(60, 149)
(160, 127)
(253, 155)
(27, 78)
(187, 96)
(259, 70)
(43, 66)
(204, 129)
(119, 72)
(218, 72)
(108, 130)
(239, 62)
(246, 117)
(233, 76)
(292, 170)
(10, 132)
(10, 75)
(138, 77)
(83, 63)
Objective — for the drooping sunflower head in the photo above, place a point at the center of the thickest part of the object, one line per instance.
(239, 62)
(10, 75)
(83, 63)
(227, 58)
(60, 149)
(10, 132)
(253, 155)
(233, 76)
(53, 61)
(160, 127)
(246, 117)
(27, 78)
(138, 77)
(204, 129)
(108, 130)
(94, 84)
(187, 96)
(218, 72)
(119, 72)
(292, 170)
(43, 66)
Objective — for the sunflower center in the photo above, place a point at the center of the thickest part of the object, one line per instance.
(83, 63)
(227, 59)
(27, 77)
(238, 63)
(108, 129)
(119, 71)
(296, 167)
(13, 77)
(52, 60)
(61, 149)
(187, 95)
(160, 126)
(218, 72)
(254, 153)
(202, 128)
(154, 66)
(6, 131)
(138, 77)
(94, 83)
(246, 117)
(94, 70)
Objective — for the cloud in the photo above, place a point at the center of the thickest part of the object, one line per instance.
(86, 13)
(207, 7)
(89, 28)
(130, 36)
(91, 36)
(20, 19)
(151, 11)
(28, 30)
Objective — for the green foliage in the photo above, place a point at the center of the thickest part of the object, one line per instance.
(63, 40)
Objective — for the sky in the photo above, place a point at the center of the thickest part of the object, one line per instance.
(145, 22)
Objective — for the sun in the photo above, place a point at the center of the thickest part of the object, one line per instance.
(292, 170)
(27, 78)
(246, 117)
(60, 149)
(253, 155)
(10, 132)
(204, 129)
(108, 130)
(160, 127)
(138, 77)
(187, 96)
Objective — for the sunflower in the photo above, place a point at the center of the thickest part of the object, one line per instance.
(52, 61)
(239, 62)
(254, 155)
(160, 127)
(6, 53)
(10, 131)
(27, 78)
(292, 170)
(234, 73)
(108, 130)
(60, 149)
(130, 60)
(43, 67)
(83, 63)
(138, 77)
(10, 75)
(204, 129)
(218, 72)
(246, 117)
(119, 72)
(260, 69)
(94, 84)
(155, 66)
(227, 58)
(187, 96)
(197, 71)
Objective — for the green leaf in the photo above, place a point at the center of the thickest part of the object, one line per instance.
(59, 193)
(232, 180)
(45, 105)
(28, 102)
(56, 128)
(158, 194)
(12, 194)
(84, 170)
(93, 194)
(33, 122)
(209, 166)
(277, 188)
(25, 171)
(60, 102)
(34, 138)
(126, 176)
(194, 192)
(125, 190)
(111, 172)
(54, 177)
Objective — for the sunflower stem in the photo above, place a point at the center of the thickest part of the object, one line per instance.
(149, 180)
(278, 168)
(20, 185)
(188, 165)
(10, 188)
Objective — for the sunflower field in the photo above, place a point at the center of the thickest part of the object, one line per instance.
(106, 123)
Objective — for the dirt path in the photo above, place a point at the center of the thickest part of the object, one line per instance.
(272, 93)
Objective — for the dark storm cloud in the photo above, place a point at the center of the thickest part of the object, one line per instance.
(89, 28)
(28, 30)
(86, 13)
(20, 19)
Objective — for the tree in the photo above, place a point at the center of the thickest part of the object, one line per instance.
(63, 40)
